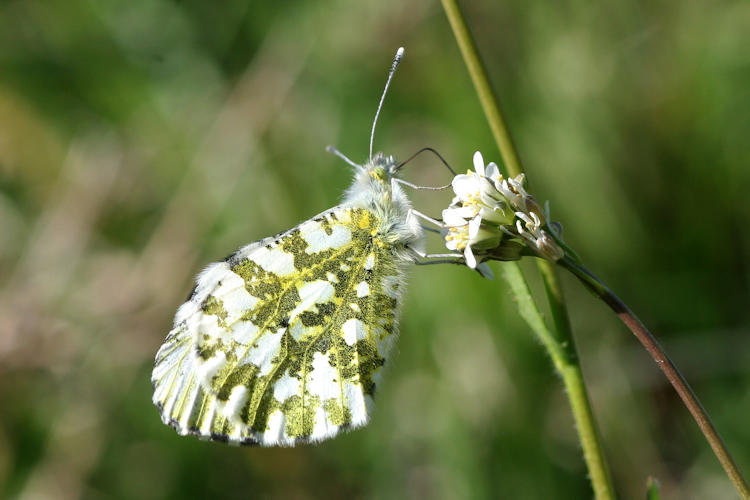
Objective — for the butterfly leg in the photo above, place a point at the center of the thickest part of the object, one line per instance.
(424, 255)
(424, 188)
(449, 258)
(443, 258)
(438, 261)
(429, 219)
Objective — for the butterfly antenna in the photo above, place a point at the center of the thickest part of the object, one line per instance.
(341, 155)
(396, 60)
(431, 150)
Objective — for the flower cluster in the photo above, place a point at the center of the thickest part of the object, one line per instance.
(494, 218)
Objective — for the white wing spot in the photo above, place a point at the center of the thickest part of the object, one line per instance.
(370, 262)
(322, 379)
(275, 434)
(244, 332)
(318, 240)
(236, 401)
(234, 296)
(354, 330)
(356, 402)
(363, 289)
(209, 323)
(208, 368)
(263, 353)
(322, 427)
(274, 260)
(298, 330)
(314, 292)
(285, 387)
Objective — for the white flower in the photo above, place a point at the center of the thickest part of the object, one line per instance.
(489, 209)
(476, 194)
(477, 212)
(468, 236)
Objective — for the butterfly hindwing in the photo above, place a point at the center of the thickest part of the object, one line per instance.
(284, 341)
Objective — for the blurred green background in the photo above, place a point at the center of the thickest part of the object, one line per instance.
(141, 140)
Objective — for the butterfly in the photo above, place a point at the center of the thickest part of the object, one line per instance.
(285, 341)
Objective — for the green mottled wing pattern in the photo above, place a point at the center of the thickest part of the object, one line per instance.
(285, 340)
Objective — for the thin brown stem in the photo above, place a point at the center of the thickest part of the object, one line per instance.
(686, 393)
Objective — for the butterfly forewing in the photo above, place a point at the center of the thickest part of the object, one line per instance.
(284, 341)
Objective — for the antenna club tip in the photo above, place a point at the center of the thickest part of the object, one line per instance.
(399, 53)
(330, 148)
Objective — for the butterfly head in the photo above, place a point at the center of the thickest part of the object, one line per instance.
(381, 168)
(373, 181)
(375, 188)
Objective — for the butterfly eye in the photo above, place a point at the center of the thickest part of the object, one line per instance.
(379, 174)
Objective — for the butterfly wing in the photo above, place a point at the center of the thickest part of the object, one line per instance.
(284, 341)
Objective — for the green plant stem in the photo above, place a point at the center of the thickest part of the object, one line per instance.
(487, 97)
(559, 344)
(666, 365)
(565, 360)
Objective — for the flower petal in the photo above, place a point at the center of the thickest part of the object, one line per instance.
(471, 261)
(479, 163)
(465, 185)
(454, 216)
(492, 172)
(474, 225)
